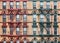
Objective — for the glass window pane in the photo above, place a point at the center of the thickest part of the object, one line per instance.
(17, 29)
(25, 41)
(4, 41)
(17, 41)
(25, 29)
(11, 4)
(17, 16)
(48, 5)
(4, 15)
(41, 5)
(24, 5)
(34, 29)
(11, 31)
(11, 41)
(34, 41)
(4, 30)
(24, 17)
(34, 5)
(18, 5)
(4, 5)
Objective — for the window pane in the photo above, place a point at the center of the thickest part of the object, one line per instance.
(4, 30)
(41, 5)
(34, 32)
(11, 16)
(17, 31)
(47, 5)
(34, 29)
(25, 41)
(17, 41)
(24, 5)
(11, 41)
(11, 31)
(17, 18)
(55, 5)
(24, 31)
(4, 15)
(17, 5)
(24, 17)
(4, 41)
(41, 17)
(34, 41)
(11, 4)
(34, 17)
(34, 5)
(4, 5)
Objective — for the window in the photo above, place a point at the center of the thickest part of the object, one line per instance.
(55, 5)
(41, 17)
(17, 18)
(11, 5)
(4, 17)
(18, 31)
(47, 5)
(4, 41)
(17, 41)
(48, 17)
(34, 31)
(34, 4)
(25, 41)
(11, 41)
(11, 16)
(24, 5)
(34, 17)
(4, 5)
(41, 5)
(4, 30)
(24, 18)
(11, 30)
(24, 31)
(34, 41)
(17, 5)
